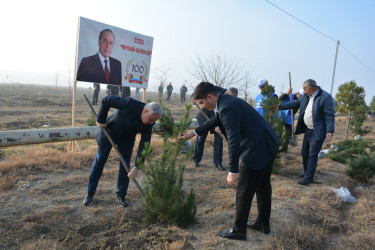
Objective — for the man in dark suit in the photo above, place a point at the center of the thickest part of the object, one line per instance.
(252, 147)
(101, 68)
(130, 118)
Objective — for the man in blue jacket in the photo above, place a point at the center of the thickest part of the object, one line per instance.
(252, 147)
(260, 97)
(317, 121)
(129, 118)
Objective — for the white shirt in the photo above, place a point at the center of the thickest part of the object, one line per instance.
(308, 116)
(102, 58)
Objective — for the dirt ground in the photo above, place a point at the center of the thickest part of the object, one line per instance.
(43, 208)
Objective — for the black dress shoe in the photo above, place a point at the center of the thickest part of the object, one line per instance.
(123, 202)
(305, 181)
(88, 199)
(232, 235)
(220, 167)
(259, 227)
(302, 174)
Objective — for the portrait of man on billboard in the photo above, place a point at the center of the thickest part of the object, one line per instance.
(114, 56)
(101, 67)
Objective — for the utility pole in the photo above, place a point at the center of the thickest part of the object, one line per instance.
(334, 65)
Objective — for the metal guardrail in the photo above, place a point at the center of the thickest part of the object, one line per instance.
(36, 136)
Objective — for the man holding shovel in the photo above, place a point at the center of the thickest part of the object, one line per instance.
(317, 121)
(129, 118)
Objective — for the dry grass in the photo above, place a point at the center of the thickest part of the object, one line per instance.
(299, 237)
(42, 187)
(19, 163)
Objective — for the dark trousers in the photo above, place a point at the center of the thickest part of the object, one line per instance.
(218, 148)
(95, 96)
(125, 91)
(104, 148)
(310, 151)
(169, 95)
(252, 182)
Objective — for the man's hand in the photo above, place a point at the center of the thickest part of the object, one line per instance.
(133, 174)
(231, 179)
(329, 135)
(186, 136)
(101, 125)
(289, 91)
(217, 130)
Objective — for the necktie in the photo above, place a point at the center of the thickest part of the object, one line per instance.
(106, 71)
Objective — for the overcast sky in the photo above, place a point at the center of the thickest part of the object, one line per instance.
(39, 38)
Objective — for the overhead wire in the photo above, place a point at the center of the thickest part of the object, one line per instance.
(363, 64)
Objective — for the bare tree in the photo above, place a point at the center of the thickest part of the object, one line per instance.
(161, 74)
(218, 70)
(247, 82)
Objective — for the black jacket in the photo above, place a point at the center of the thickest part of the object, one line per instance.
(125, 122)
(250, 138)
(91, 70)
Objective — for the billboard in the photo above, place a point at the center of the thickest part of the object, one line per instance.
(111, 55)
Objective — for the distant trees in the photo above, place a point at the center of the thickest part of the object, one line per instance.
(351, 102)
(217, 69)
(247, 82)
(161, 75)
(372, 106)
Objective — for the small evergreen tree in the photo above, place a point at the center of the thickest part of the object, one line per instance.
(275, 119)
(361, 168)
(92, 120)
(356, 123)
(358, 155)
(165, 199)
(351, 102)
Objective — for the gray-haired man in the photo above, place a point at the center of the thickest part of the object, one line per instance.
(317, 121)
(129, 118)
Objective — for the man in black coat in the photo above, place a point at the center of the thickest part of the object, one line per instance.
(252, 147)
(101, 68)
(129, 118)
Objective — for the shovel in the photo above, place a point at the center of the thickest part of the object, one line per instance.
(293, 139)
(122, 159)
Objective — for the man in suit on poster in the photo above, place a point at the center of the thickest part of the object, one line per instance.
(252, 147)
(101, 68)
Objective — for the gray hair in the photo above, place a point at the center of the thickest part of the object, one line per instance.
(154, 108)
(310, 83)
(232, 91)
